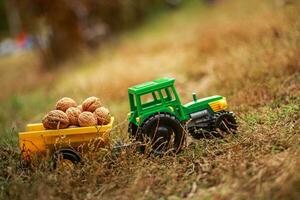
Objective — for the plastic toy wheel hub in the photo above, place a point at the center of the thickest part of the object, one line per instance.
(160, 138)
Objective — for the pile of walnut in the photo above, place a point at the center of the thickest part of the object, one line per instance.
(70, 115)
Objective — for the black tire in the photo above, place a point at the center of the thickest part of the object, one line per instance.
(66, 154)
(225, 122)
(165, 132)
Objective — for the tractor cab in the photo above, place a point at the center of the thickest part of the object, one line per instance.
(153, 97)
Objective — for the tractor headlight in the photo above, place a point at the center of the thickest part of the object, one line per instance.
(219, 105)
(138, 119)
(129, 115)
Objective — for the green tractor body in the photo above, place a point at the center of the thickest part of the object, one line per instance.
(159, 98)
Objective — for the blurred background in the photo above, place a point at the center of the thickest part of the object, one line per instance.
(51, 26)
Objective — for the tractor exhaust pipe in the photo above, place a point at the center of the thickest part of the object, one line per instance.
(195, 97)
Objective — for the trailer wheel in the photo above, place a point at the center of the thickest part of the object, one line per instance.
(66, 158)
(164, 132)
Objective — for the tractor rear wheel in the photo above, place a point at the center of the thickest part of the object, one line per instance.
(164, 132)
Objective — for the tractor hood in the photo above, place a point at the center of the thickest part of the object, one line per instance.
(212, 103)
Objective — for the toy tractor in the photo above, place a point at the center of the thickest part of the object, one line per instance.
(156, 113)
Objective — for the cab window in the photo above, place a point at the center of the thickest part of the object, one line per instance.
(150, 99)
(168, 94)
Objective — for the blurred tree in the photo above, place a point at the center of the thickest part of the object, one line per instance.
(64, 27)
(3, 21)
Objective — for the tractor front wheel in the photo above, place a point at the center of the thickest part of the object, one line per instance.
(220, 123)
(225, 122)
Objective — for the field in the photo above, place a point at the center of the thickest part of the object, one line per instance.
(247, 51)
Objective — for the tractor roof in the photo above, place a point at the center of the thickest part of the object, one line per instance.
(151, 85)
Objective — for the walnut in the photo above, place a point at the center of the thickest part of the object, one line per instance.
(55, 119)
(73, 114)
(91, 104)
(103, 116)
(87, 119)
(65, 103)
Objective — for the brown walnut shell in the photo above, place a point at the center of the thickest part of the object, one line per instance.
(73, 114)
(65, 103)
(103, 115)
(87, 119)
(91, 104)
(55, 119)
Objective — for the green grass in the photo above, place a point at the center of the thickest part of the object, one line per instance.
(247, 51)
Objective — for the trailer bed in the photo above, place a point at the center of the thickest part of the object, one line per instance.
(38, 140)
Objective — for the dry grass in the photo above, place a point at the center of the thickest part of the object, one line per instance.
(247, 51)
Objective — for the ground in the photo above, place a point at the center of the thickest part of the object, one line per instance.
(247, 51)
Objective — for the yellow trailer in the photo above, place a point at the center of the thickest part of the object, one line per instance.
(69, 142)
